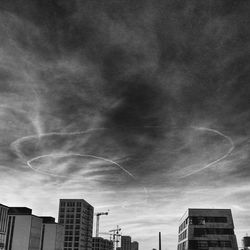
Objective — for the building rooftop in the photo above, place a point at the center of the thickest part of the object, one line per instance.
(2, 205)
(19, 211)
(48, 219)
(75, 200)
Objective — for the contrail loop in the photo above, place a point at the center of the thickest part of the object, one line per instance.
(74, 154)
(218, 160)
(29, 164)
(16, 143)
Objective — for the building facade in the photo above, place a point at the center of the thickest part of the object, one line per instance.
(246, 242)
(125, 243)
(134, 245)
(76, 215)
(207, 229)
(3, 225)
(52, 234)
(98, 243)
(24, 229)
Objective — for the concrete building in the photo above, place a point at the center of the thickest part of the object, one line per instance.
(98, 243)
(52, 234)
(77, 217)
(134, 245)
(3, 225)
(125, 243)
(24, 229)
(207, 229)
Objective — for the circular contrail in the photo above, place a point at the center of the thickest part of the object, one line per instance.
(29, 162)
(16, 143)
(218, 160)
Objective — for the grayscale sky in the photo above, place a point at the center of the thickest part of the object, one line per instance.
(140, 107)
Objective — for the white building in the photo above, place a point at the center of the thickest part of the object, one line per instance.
(77, 217)
(3, 225)
(24, 229)
(52, 234)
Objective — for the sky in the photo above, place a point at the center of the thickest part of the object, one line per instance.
(139, 107)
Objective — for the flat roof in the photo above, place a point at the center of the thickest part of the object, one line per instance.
(75, 200)
(20, 211)
(2, 205)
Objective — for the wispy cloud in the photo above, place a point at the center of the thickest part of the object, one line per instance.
(135, 106)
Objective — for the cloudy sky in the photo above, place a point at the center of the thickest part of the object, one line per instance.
(140, 107)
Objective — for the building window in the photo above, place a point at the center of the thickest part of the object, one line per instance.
(198, 232)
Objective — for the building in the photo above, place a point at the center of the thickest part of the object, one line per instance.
(24, 229)
(134, 245)
(52, 234)
(77, 217)
(125, 243)
(98, 243)
(246, 242)
(207, 229)
(3, 225)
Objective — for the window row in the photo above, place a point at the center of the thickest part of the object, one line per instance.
(198, 232)
(183, 225)
(72, 226)
(70, 204)
(205, 244)
(194, 220)
(69, 221)
(183, 235)
(71, 232)
(78, 215)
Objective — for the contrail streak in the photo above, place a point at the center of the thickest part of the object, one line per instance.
(218, 160)
(29, 162)
(15, 144)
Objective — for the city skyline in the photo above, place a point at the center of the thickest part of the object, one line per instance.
(139, 107)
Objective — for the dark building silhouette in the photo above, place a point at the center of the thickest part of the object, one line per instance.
(125, 243)
(98, 243)
(206, 229)
(134, 245)
(77, 217)
(246, 242)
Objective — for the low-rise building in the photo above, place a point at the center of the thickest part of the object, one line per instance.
(24, 229)
(52, 234)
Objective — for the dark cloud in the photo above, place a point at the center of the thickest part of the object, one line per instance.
(144, 76)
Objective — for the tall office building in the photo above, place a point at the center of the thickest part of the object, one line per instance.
(77, 217)
(125, 243)
(3, 225)
(24, 229)
(206, 229)
(52, 234)
(134, 245)
(101, 244)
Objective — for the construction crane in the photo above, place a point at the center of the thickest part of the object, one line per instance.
(116, 234)
(98, 221)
